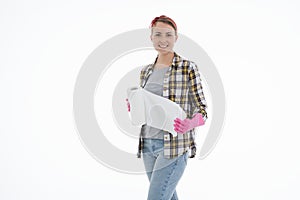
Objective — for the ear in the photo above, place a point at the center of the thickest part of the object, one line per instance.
(176, 37)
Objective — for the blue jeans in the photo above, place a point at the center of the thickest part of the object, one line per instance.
(163, 173)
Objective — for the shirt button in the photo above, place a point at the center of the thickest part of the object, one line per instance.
(166, 137)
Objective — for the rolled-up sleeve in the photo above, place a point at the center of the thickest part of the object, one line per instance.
(196, 91)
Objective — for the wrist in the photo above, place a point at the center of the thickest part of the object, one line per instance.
(198, 120)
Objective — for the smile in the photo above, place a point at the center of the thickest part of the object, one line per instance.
(163, 46)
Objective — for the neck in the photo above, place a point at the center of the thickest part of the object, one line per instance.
(165, 58)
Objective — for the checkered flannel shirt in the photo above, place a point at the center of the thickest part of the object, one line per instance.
(182, 85)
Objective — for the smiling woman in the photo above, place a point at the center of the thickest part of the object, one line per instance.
(163, 36)
(178, 80)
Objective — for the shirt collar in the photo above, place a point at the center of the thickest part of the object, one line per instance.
(175, 62)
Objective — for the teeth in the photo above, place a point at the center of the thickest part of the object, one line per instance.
(163, 46)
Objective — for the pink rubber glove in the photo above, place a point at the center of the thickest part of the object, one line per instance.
(128, 105)
(183, 126)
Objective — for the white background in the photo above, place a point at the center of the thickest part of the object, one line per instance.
(254, 45)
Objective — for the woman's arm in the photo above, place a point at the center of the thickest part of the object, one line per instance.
(198, 101)
(196, 92)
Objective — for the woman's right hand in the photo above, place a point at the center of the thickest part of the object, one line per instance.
(128, 105)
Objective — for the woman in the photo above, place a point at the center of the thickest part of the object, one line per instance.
(165, 157)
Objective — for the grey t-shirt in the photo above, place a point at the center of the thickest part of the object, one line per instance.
(154, 84)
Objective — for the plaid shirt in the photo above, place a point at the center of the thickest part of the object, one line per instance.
(182, 85)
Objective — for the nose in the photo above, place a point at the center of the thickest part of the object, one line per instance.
(163, 40)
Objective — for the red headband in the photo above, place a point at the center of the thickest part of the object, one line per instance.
(163, 17)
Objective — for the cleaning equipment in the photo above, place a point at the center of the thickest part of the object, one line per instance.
(153, 110)
(183, 126)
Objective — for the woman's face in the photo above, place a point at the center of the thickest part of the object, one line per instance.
(163, 37)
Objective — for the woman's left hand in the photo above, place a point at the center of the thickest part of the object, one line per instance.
(183, 126)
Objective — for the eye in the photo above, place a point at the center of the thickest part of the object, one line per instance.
(157, 34)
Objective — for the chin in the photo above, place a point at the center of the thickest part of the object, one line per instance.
(164, 51)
